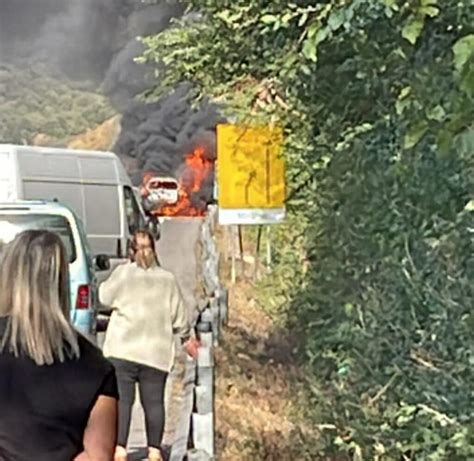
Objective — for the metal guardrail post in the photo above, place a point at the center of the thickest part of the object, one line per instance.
(210, 256)
(208, 328)
(197, 455)
(216, 323)
(203, 419)
(223, 300)
(204, 329)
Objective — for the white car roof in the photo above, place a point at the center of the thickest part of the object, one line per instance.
(41, 206)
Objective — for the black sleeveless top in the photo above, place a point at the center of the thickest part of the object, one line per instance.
(44, 409)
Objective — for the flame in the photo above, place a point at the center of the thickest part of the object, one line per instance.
(197, 168)
(146, 177)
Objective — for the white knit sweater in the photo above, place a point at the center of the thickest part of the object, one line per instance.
(148, 311)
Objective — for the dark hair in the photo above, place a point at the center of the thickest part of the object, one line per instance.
(137, 254)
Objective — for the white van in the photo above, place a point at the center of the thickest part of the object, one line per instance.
(93, 184)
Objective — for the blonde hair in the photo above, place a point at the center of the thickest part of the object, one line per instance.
(142, 250)
(34, 295)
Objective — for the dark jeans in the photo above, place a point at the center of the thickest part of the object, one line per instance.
(151, 382)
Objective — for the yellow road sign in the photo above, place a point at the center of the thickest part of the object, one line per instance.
(251, 171)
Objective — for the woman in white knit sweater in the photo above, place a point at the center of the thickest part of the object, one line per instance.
(148, 310)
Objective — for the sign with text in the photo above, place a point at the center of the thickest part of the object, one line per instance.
(251, 175)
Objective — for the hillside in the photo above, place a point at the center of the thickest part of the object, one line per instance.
(101, 137)
(35, 108)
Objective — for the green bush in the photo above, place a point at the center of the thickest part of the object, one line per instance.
(386, 304)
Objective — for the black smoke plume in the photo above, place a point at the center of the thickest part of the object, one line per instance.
(159, 135)
(75, 37)
(83, 39)
(125, 79)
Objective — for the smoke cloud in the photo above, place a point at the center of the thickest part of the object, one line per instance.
(77, 38)
(84, 39)
(159, 135)
(125, 79)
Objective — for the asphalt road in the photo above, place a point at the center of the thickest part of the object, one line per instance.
(177, 252)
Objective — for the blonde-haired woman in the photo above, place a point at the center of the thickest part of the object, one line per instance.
(58, 395)
(147, 311)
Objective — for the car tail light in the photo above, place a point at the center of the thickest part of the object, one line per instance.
(83, 297)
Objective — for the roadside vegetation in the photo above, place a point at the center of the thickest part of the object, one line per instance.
(375, 267)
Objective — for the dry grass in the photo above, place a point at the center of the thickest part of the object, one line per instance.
(256, 387)
(102, 137)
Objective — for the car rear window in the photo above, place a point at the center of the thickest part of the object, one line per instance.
(13, 224)
(169, 185)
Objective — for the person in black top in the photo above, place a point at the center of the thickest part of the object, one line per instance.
(58, 394)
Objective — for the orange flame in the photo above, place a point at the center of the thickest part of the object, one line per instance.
(146, 177)
(197, 168)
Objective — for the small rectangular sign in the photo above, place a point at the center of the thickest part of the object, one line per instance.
(251, 216)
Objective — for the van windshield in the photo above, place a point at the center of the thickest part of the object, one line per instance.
(13, 224)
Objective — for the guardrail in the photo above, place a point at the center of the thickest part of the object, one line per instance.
(197, 428)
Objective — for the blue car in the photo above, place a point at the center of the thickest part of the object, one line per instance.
(20, 216)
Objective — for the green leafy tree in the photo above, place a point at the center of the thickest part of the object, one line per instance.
(376, 99)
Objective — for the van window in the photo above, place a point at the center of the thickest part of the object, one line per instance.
(132, 210)
(13, 224)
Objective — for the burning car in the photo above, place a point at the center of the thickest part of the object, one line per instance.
(187, 196)
(160, 191)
